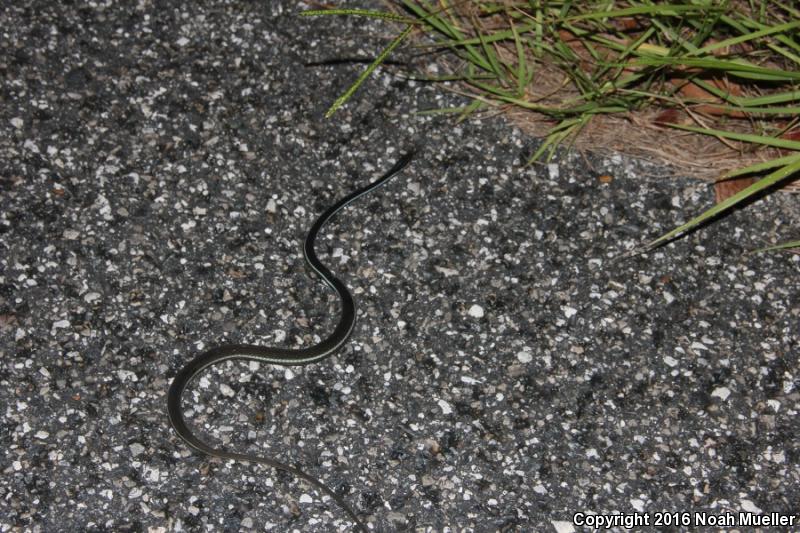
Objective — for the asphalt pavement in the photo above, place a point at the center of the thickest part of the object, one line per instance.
(511, 368)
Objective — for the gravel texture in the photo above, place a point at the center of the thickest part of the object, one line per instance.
(161, 163)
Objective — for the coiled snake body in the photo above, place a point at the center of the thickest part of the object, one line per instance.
(281, 356)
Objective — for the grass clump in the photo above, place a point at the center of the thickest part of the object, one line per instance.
(721, 76)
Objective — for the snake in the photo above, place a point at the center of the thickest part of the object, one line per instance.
(282, 356)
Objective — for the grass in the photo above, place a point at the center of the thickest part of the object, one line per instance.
(722, 70)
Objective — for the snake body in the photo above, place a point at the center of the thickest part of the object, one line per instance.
(281, 356)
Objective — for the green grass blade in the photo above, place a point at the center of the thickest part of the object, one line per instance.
(794, 58)
(752, 111)
(493, 90)
(783, 38)
(789, 9)
(768, 181)
(522, 64)
(745, 137)
(791, 96)
(538, 32)
(384, 15)
(738, 68)
(557, 134)
(505, 35)
(369, 70)
(491, 57)
(784, 246)
(748, 102)
(781, 28)
(431, 17)
(651, 11)
(742, 26)
(468, 110)
(760, 167)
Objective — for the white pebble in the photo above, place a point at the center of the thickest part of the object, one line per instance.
(445, 407)
(90, 297)
(524, 356)
(476, 311)
(721, 392)
(562, 526)
(136, 449)
(750, 507)
(446, 271)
